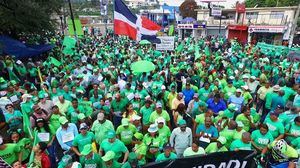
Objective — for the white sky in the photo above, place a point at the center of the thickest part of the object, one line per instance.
(227, 4)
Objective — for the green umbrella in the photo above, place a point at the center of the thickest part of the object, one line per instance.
(144, 42)
(142, 66)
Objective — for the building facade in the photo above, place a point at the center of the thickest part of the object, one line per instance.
(270, 24)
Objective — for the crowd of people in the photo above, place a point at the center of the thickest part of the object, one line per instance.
(92, 110)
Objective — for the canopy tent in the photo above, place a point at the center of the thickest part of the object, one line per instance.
(20, 50)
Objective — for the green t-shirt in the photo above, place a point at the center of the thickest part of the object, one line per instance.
(54, 121)
(81, 140)
(238, 135)
(247, 96)
(164, 133)
(126, 134)
(240, 145)
(200, 119)
(292, 129)
(261, 140)
(25, 150)
(141, 149)
(162, 157)
(119, 106)
(228, 134)
(229, 91)
(276, 128)
(10, 153)
(73, 113)
(101, 130)
(203, 94)
(269, 98)
(117, 146)
(146, 112)
(94, 162)
(154, 115)
(212, 148)
(296, 143)
(245, 121)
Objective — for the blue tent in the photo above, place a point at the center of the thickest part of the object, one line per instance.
(20, 50)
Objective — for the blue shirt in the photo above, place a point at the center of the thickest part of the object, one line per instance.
(216, 107)
(188, 95)
(62, 133)
(211, 130)
(276, 101)
(238, 101)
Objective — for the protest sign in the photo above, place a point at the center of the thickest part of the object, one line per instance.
(167, 43)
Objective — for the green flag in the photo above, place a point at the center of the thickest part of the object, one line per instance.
(69, 45)
(78, 27)
(35, 141)
(179, 48)
(171, 30)
(207, 51)
(54, 62)
(27, 125)
(197, 54)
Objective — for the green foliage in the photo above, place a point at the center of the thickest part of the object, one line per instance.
(271, 3)
(28, 16)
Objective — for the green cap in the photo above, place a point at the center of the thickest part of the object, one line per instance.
(2, 80)
(138, 136)
(111, 134)
(13, 82)
(87, 149)
(125, 122)
(108, 156)
(81, 116)
(232, 107)
(181, 122)
(132, 157)
(222, 140)
(63, 120)
(65, 161)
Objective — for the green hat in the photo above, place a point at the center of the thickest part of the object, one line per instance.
(13, 82)
(138, 136)
(111, 134)
(87, 149)
(222, 140)
(181, 122)
(232, 107)
(63, 120)
(81, 116)
(2, 80)
(41, 95)
(132, 157)
(240, 124)
(65, 161)
(108, 156)
(125, 122)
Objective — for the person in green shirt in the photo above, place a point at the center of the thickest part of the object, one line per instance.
(229, 112)
(110, 160)
(132, 161)
(204, 92)
(10, 152)
(228, 132)
(242, 144)
(125, 132)
(247, 96)
(153, 142)
(140, 148)
(195, 149)
(24, 143)
(218, 146)
(91, 159)
(115, 145)
(100, 127)
(118, 106)
(261, 137)
(163, 131)
(246, 119)
(85, 137)
(166, 155)
(229, 90)
(160, 113)
(54, 117)
(275, 126)
(292, 130)
(296, 144)
(239, 130)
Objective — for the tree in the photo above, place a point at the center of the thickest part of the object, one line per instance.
(30, 16)
(187, 9)
(271, 3)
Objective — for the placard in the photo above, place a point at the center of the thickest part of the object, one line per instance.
(167, 43)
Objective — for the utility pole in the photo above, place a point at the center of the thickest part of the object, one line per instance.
(294, 26)
(72, 18)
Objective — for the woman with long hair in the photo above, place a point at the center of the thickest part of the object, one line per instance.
(130, 112)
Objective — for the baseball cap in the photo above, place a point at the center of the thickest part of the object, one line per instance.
(240, 124)
(87, 149)
(222, 140)
(100, 116)
(63, 120)
(125, 122)
(111, 134)
(153, 128)
(253, 77)
(180, 94)
(196, 95)
(245, 87)
(163, 87)
(108, 156)
(232, 107)
(239, 90)
(132, 158)
(138, 136)
(276, 88)
(160, 120)
(83, 126)
(81, 116)
(136, 117)
(181, 122)
(158, 105)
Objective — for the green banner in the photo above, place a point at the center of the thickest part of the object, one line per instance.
(78, 27)
(69, 45)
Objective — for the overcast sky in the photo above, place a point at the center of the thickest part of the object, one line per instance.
(227, 4)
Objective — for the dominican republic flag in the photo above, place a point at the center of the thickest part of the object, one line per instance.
(135, 26)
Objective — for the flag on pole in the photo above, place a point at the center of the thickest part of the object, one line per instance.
(135, 26)
(171, 30)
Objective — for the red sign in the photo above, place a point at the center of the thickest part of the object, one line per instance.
(240, 7)
(237, 27)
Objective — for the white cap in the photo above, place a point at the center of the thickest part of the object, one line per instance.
(239, 90)
(253, 77)
(231, 77)
(136, 117)
(160, 120)
(100, 116)
(163, 87)
(245, 87)
(245, 76)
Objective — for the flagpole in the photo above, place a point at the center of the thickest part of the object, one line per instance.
(113, 18)
(72, 18)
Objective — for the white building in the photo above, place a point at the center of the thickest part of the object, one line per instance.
(136, 3)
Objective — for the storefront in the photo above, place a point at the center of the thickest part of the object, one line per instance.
(191, 30)
(268, 34)
(216, 31)
(238, 32)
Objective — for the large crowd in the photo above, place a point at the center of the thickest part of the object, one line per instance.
(89, 109)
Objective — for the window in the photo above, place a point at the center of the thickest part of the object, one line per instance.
(276, 15)
(251, 15)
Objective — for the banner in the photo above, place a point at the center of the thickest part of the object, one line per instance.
(231, 159)
(167, 43)
(216, 11)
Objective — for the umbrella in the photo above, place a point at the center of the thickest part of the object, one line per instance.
(144, 42)
(142, 66)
